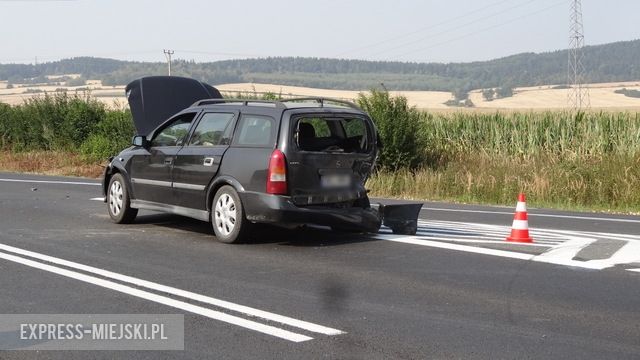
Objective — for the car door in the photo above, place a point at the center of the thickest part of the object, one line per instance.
(151, 170)
(198, 161)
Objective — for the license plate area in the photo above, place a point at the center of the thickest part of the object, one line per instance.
(335, 181)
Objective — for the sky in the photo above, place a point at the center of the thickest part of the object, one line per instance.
(211, 30)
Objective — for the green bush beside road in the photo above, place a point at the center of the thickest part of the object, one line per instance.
(560, 159)
(62, 122)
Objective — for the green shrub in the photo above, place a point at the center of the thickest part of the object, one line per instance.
(398, 127)
(97, 148)
(82, 116)
(110, 136)
(5, 129)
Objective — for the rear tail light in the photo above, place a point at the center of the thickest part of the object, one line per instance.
(277, 174)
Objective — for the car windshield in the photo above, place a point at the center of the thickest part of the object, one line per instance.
(332, 134)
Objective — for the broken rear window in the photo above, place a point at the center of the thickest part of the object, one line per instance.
(332, 134)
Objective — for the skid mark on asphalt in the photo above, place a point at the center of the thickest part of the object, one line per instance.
(559, 247)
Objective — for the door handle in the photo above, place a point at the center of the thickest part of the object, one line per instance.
(168, 161)
(208, 161)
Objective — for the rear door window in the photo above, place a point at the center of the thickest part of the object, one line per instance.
(255, 130)
(332, 134)
(212, 130)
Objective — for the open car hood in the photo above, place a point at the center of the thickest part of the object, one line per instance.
(154, 99)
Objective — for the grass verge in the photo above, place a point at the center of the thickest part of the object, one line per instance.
(606, 183)
(50, 163)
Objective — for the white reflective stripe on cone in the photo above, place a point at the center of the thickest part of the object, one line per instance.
(520, 225)
(521, 207)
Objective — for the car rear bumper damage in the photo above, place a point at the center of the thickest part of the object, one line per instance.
(264, 208)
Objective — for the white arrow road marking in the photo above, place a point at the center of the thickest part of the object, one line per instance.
(174, 291)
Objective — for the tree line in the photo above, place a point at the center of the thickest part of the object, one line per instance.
(604, 63)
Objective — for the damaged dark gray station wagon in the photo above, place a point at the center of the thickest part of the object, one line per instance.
(236, 163)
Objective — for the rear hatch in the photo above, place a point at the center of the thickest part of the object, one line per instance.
(330, 157)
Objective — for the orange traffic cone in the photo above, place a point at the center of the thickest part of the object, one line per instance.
(520, 227)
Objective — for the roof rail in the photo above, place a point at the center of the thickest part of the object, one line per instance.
(244, 102)
(322, 100)
(277, 103)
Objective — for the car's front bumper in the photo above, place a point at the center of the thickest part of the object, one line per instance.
(276, 209)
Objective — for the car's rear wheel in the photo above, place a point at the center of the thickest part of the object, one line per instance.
(118, 201)
(228, 218)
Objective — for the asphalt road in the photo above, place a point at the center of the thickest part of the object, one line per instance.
(455, 290)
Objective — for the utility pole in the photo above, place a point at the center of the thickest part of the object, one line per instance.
(167, 54)
(578, 93)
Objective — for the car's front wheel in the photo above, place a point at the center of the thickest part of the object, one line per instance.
(118, 201)
(228, 217)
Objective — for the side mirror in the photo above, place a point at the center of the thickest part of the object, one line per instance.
(140, 141)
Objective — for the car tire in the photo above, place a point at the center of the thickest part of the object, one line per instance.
(228, 219)
(119, 202)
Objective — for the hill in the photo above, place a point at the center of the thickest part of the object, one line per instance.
(614, 62)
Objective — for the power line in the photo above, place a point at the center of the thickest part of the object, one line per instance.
(397, 37)
(167, 54)
(72, 55)
(578, 95)
(481, 30)
(455, 28)
(220, 53)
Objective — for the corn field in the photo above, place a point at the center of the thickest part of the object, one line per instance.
(577, 161)
(561, 133)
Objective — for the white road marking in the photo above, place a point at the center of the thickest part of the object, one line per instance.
(212, 314)
(51, 182)
(533, 215)
(501, 230)
(567, 250)
(97, 199)
(614, 236)
(501, 253)
(469, 240)
(628, 253)
(634, 270)
(442, 245)
(178, 292)
(563, 245)
(474, 232)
